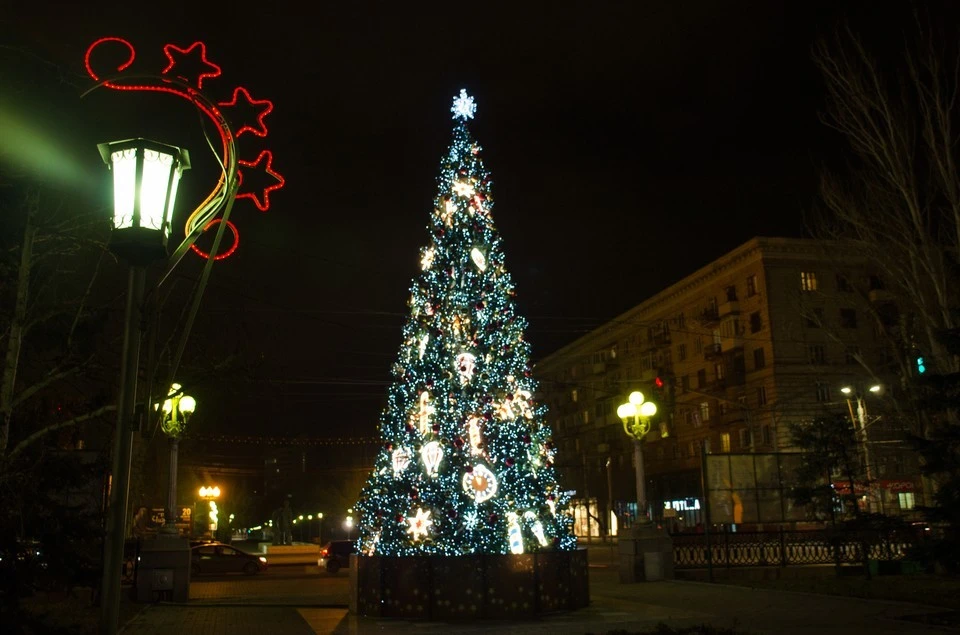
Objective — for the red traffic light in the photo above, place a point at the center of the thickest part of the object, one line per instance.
(658, 382)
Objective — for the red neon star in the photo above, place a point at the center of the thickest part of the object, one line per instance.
(263, 204)
(242, 113)
(195, 64)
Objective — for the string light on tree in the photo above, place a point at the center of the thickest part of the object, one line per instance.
(461, 398)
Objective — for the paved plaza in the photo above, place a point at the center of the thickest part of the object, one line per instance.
(299, 601)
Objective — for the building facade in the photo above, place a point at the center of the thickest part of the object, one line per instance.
(765, 336)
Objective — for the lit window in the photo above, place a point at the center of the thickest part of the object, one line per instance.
(705, 411)
(751, 285)
(573, 395)
(725, 442)
(906, 500)
(808, 281)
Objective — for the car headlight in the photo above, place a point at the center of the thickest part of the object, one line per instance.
(263, 560)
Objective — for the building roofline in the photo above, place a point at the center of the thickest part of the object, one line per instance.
(764, 246)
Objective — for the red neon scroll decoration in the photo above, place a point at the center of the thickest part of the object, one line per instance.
(227, 253)
(197, 53)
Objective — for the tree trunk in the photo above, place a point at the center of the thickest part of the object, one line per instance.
(12, 357)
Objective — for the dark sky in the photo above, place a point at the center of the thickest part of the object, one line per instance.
(630, 143)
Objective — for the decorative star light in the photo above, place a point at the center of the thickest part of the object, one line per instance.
(184, 55)
(427, 258)
(470, 519)
(247, 115)
(419, 524)
(262, 201)
(462, 188)
(463, 106)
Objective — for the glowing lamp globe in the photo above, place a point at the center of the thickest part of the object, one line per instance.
(188, 405)
(145, 179)
(626, 410)
(648, 409)
(636, 398)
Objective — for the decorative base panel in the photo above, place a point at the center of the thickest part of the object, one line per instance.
(472, 587)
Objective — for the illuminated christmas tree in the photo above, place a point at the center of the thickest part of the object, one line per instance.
(467, 461)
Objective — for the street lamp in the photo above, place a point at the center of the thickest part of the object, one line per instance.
(145, 179)
(177, 409)
(861, 433)
(320, 527)
(635, 415)
(348, 525)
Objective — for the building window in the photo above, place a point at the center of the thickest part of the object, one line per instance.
(681, 321)
(692, 448)
(573, 395)
(761, 395)
(751, 285)
(586, 416)
(906, 500)
(758, 359)
(767, 434)
(808, 281)
(695, 418)
(816, 354)
(731, 292)
(823, 392)
(704, 411)
(746, 439)
(676, 451)
(698, 345)
(718, 371)
(755, 322)
(706, 446)
(681, 352)
(721, 409)
(685, 382)
(701, 378)
(725, 442)
(843, 283)
(853, 353)
(815, 318)
(876, 284)
(848, 318)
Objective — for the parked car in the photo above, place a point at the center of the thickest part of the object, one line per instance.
(336, 554)
(216, 557)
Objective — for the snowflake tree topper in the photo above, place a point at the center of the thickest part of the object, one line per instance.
(463, 106)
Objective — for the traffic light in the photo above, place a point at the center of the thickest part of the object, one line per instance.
(921, 365)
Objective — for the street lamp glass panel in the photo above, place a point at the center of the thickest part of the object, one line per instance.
(846, 390)
(627, 410)
(349, 521)
(309, 516)
(875, 388)
(636, 398)
(158, 169)
(648, 409)
(167, 406)
(124, 166)
(188, 404)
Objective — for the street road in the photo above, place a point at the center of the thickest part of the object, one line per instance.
(290, 585)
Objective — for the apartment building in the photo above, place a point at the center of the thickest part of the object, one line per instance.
(765, 336)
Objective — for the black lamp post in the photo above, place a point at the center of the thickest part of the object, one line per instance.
(145, 178)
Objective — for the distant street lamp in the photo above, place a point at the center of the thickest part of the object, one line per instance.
(145, 179)
(177, 409)
(320, 527)
(635, 415)
(348, 525)
(861, 433)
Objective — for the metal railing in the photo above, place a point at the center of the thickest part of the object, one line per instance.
(786, 547)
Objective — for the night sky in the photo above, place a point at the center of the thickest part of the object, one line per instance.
(630, 143)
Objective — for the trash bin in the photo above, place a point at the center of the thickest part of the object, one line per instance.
(163, 573)
(646, 554)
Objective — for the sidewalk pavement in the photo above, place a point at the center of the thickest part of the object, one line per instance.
(634, 608)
